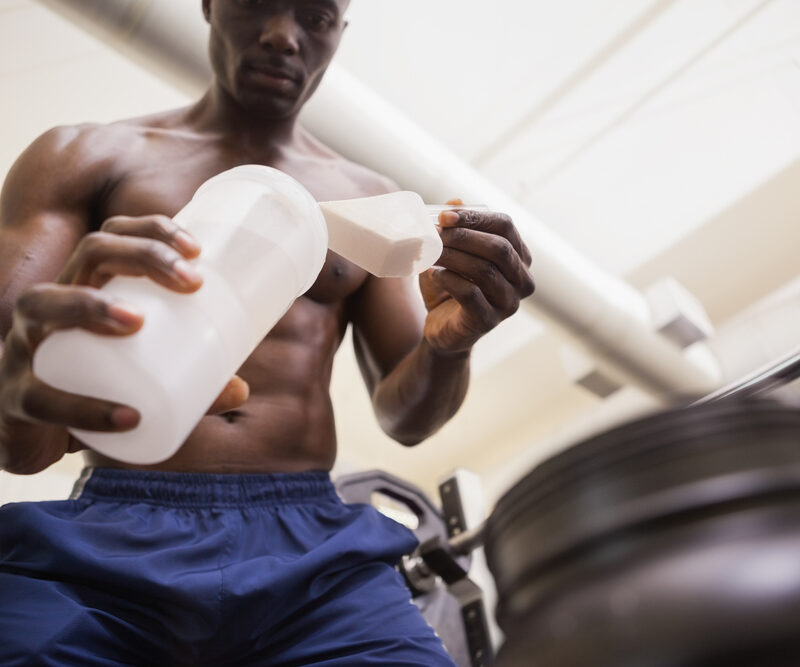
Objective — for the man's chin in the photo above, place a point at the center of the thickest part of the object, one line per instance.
(271, 108)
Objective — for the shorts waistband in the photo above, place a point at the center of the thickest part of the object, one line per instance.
(188, 489)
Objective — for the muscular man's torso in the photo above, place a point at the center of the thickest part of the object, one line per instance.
(287, 423)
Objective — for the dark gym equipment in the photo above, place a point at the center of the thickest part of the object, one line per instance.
(672, 541)
(437, 571)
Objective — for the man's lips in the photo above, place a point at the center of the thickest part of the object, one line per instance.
(273, 75)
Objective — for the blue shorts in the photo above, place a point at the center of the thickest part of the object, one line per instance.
(153, 568)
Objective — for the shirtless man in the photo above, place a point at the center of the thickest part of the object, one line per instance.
(236, 548)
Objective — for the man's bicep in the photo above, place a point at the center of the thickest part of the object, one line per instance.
(31, 252)
(41, 221)
(388, 317)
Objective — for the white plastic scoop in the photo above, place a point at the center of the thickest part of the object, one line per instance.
(391, 236)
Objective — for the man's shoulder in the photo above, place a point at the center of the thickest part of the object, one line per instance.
(66, 139)
(80, 147)
(60, 171)
(67, 161)
(84, 152)
(103, 140)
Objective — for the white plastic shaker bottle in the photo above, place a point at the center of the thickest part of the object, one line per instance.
(264, 242)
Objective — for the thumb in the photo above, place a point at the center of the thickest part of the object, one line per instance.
(234, 395)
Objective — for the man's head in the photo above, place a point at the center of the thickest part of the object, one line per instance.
(270, 55)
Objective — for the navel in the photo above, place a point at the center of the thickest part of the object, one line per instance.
(232, 416)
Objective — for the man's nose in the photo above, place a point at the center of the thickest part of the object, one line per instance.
(280, 34)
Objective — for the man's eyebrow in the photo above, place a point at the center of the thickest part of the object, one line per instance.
(328, 4)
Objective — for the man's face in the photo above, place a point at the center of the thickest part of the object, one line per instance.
(270, 55)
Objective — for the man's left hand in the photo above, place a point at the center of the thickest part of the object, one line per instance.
(478, 281)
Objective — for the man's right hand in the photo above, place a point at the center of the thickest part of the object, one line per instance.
(34, 416)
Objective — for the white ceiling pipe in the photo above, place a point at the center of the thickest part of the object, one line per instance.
(603, 312)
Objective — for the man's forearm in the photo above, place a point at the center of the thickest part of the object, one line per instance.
(421, 394)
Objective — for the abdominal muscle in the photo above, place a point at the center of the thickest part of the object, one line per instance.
(287, 423)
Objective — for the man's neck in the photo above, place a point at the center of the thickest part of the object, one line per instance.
(217, 112)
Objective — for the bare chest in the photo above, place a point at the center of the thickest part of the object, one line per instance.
(166, 181)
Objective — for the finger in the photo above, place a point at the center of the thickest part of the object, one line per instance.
(468, 296)
(494, 248)
(36, 447)
(490, 222)
(432, 294)
(40, 403)
(48, 307)
(101, 256)
(158, 227)
(235, 394)
(75, 445)
(485, 275)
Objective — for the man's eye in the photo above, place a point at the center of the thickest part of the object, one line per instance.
(250, 3)
(317, 20)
